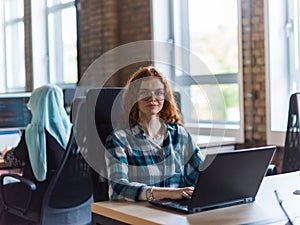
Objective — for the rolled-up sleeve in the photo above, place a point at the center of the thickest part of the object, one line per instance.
(117, 167)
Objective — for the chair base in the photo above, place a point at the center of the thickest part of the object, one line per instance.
(79, 215)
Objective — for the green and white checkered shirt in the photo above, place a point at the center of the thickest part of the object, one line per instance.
(133, 162)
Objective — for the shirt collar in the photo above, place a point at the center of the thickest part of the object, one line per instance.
(137, 129)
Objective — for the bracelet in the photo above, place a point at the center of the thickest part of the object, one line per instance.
(151, 194)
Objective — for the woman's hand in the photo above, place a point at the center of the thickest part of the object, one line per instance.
(172, 193)
(179, 193)
(4, 151)
(186, 192)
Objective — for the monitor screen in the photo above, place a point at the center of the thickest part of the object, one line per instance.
(69, 94)
(14, 113)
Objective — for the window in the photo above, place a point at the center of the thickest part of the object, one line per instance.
(54, 43)
(211, 97)
(282, 59)
(62, 41)
(12, 59)
(216, 43)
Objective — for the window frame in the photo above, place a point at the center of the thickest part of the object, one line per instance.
(39, 73)
(170, 36)
(278, 75)
(5, 24)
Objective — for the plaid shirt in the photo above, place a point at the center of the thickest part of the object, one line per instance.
(133, 162)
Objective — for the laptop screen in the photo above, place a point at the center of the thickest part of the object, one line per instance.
(9, 138)
(231, 176)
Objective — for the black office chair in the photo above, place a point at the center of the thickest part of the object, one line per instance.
(291, 157)
(104, 114)
(100, 124)
(67, 198)
(88, 140)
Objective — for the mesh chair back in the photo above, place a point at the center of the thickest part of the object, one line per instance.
(73, 186)
(291, 158)
(73, 181)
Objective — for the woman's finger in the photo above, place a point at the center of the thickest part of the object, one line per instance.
(185, 195)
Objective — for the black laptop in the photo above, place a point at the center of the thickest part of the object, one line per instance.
(226, 178)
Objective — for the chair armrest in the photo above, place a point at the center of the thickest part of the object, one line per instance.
(24, 180)
(272, 170)
(19, 179)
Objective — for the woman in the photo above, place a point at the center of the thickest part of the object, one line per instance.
(154, 157)
(42, 145)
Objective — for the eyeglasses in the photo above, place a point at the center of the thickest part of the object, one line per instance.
(158, 94)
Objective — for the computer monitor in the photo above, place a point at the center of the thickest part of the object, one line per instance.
(14, 113)
(69, 94)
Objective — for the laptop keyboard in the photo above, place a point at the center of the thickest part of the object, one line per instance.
(182, 202)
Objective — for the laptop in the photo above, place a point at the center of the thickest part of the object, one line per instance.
(9, 138)
(226, 179)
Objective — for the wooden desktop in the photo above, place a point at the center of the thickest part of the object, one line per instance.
(265, 209)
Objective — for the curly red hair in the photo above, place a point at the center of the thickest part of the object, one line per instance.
(169, 112)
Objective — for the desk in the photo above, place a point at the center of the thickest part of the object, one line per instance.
(264, 210)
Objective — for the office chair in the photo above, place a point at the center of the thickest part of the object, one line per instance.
(87, 139)
(67, 198)
(100, 124)
(104, 115)
(291, 157)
